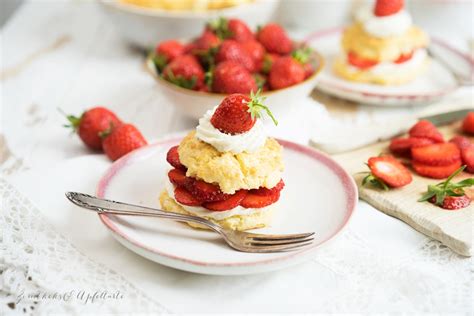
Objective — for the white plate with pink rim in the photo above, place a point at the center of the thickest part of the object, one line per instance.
(319, 197)
(437, 82)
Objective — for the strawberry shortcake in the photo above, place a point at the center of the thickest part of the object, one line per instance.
(383, 46)
(227, 170)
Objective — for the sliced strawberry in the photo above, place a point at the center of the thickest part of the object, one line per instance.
(460, 141)
(206, 192)
(264, 191)
(228, 204)
(390, 171)
(258, 201)
(436, 154)
(173, 158)
(467, 154)
(178, 177)
(454, 202)
(468, 123)
(420, 142)
(435, 172)
(360, 62)
(184, 197)
(426, 129)
(404, 57)
(403, 146)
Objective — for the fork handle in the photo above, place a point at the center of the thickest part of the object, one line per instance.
(104, 206)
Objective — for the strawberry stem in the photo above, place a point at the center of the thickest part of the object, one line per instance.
(74, 121)
(256, 105)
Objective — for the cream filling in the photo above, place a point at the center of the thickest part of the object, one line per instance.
(384, 26)
(249, 141)
(203, 212)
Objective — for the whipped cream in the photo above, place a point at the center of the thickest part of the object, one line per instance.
(249, 141)
(203, 212)
(384, 26)
(390, 68)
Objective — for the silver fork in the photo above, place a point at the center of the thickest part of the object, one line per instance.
(242, 241)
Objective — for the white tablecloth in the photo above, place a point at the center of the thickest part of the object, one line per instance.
(66, 55)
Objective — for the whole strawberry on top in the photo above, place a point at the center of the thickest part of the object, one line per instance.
(238, 113)
(91, 123)
(388, 7)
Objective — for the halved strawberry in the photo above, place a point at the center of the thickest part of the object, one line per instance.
(426, 129)
(404, 57)
(390, 171)
(468, 123)
(227, 204)
(460, 141)
(173, 158)
(264, 191)
(435, 172)
(253, 200)
(178, 177)
(467, 155)
(454, 202)
(360, 62)
(436, 154)
(206, 192)
(184, 197)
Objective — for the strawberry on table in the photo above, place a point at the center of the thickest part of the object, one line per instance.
(275, 40)
(231, 202)
(238, 113)
(234, 51)
(185, 71)
(448, 195)
(91, 123)
(231, 77)
(388, 7)
(426, 129)
(386, 171)
(441, 154)
(468, 123)
(121, 140)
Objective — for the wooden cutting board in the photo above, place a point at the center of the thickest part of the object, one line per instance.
(452, 228)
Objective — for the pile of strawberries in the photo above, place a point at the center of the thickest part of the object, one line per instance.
(430, 155)
(101, 129)
(193, 192)
(228, 57)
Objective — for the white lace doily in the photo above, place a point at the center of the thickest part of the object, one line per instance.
(41, 272)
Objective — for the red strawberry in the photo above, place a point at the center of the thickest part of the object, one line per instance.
(170, 49)
(426, 129)
(206, 192)
(467, 155)
(238, 113)
(308, 70)
(178, 177)
(285, 72)
(190, 48)
(435, 172)
(185, 71)
(121, 140)
(239, 30)
(454, 202)
(460, 141)
(227, 204)
(390, 171)
(275, 40)
(268, 61)
(387, 7)
(233, 51)
(231, 77)
(184, 197)
(207, 40)
(403, 146)
(264, 191)
(173, 158)
(253, 200)
(91, 123)
(404, 57)
(256, 51)
(468, 123)
(436, 154)
(360, 62)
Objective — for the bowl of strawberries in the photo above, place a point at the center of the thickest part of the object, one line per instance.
(228, 57)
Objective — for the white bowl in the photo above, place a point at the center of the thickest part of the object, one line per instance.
(195, 103)
(146, 27)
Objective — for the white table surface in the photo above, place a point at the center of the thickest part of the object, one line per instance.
(65, 54)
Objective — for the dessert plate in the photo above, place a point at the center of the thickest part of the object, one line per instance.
(319, 196)
(435, 83)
